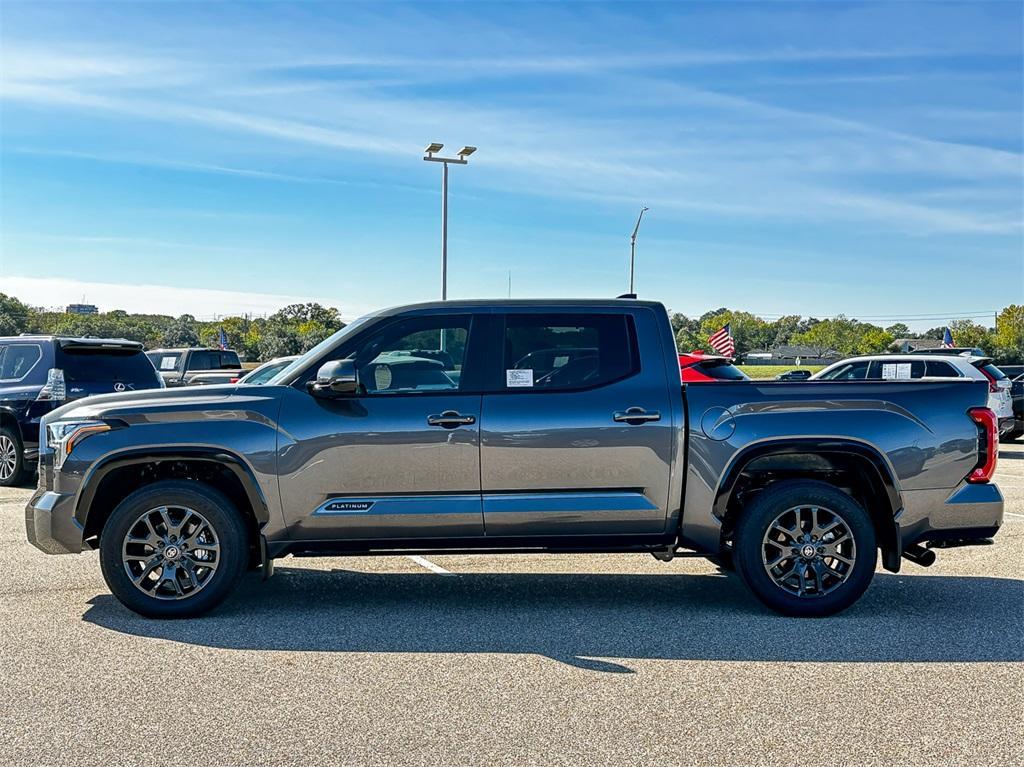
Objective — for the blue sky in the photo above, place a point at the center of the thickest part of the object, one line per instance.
(812, 159)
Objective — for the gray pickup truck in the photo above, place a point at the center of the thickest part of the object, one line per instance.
(192, 366)
(516, 426)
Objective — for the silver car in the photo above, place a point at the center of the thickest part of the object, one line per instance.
(931, 366)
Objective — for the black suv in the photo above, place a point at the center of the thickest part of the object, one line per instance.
(40, 373)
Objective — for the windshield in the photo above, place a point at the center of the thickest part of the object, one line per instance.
(263, 374)
(328, 343)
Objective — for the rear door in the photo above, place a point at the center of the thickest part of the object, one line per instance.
(582, 445)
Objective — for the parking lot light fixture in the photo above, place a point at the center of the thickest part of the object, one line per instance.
(430, 155)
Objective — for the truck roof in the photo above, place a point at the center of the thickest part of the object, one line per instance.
(498, 304)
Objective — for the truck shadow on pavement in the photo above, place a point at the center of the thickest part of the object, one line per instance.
(580, 619)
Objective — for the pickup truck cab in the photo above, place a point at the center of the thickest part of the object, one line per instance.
(453, 427)
(196, 365)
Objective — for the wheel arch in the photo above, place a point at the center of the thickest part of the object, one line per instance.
(114, 478)
(8, 417)
(871, 481)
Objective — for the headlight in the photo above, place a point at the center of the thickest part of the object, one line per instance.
(63, 436)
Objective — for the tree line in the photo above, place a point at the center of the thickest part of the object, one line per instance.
(299, 327)
(845, 335)
(291, 330)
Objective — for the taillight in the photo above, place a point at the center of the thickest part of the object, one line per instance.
(233, 380)
(988, 444)
(54, 389)
(993, 387)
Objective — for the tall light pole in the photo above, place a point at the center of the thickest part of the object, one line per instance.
(431, 151)
(632, 247)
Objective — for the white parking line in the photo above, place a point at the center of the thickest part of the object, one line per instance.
(1013, 514)
(424, 562)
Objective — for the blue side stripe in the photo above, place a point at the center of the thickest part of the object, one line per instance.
(562, 502)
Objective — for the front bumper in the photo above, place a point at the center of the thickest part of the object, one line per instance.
(51, 525)
(968, 512)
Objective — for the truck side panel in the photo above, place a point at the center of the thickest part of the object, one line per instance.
(927, 443)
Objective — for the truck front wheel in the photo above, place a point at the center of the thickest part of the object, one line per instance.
(805, 548)
(174, 549)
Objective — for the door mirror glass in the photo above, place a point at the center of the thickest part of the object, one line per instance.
(336, 377)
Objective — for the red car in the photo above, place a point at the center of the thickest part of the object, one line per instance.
(697, 367)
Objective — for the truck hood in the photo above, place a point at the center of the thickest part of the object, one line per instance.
(125, 404)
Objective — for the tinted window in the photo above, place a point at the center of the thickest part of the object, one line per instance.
(412, 356)
(850, 371)
(995, 373)
(567, 351)
(165, 360)
(266, 372)
(101, 365)
(939, 369)
(18, 360)
(722, 369)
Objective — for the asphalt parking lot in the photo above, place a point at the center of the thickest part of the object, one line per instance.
(515, 660)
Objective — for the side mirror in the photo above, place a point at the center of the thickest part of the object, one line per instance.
(336, 377)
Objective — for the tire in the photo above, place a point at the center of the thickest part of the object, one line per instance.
(179, 577)
(12, 457)
(1011, 436)
(823, 579)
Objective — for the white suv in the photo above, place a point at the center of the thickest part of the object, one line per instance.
(882, 367)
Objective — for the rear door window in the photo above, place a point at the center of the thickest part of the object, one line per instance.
(567, 351)
(18, 360)
(940, 369)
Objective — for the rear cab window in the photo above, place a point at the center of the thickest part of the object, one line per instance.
(213, 360)
(559, 352)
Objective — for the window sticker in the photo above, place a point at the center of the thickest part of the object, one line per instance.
(519, 378)
(899, 371)
(167, 363)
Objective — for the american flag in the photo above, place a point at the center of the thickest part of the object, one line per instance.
(947, 340)
(222, 339)
(723, 342)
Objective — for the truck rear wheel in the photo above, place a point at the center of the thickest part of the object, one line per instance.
(805, 548)
(174, 549)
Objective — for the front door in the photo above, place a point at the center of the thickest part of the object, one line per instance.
(577, 434)
(399, 459)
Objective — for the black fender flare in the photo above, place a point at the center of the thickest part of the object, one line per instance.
(233, 462)
(889, 538)
(11, 414)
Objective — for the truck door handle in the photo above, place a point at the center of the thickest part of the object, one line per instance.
(636, 416)
(449, 419)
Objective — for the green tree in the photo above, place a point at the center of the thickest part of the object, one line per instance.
(1008, 338)
(899, 330)
(181, 332)
(970, 333)
(15, 317)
